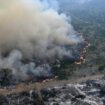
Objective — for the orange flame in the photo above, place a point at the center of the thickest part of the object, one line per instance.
(83, 53)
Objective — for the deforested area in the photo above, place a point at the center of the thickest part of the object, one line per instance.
(52, 52)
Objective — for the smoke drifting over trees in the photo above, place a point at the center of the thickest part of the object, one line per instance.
(33, 29)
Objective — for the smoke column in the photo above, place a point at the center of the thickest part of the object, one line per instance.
(33, 29)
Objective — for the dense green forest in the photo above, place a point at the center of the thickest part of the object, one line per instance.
(87, 18)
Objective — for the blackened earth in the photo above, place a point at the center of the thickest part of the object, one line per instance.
(90, 92)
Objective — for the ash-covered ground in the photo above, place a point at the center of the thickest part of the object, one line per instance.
(89, 92)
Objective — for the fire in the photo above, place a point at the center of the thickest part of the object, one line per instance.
(82, 55)
(78, 62)
(50, 79)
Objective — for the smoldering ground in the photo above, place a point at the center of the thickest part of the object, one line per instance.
(34, 29)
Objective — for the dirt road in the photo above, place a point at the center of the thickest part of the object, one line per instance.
(51, 83)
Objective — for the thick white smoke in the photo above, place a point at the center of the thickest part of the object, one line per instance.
(33, 29)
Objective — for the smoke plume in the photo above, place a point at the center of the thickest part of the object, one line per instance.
(34, 29)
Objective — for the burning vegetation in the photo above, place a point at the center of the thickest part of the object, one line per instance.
(82, 54)
(33, 37)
